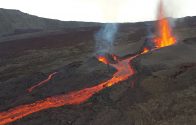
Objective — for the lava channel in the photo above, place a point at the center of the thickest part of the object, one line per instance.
(42, 82)
(124, 71)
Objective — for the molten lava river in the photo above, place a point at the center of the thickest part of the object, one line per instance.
(124, 71)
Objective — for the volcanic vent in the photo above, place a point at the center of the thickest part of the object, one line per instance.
(124, 71)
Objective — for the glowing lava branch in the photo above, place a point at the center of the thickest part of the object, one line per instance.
(115, 58)
(103, 59)
(165, 37)
(145, 50)
(42, 82)
(124, 71)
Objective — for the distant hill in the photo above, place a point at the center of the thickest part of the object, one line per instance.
(17, 22)
(14, 22)
(189, 21)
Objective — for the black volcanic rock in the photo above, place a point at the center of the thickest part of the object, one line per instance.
(162, 92)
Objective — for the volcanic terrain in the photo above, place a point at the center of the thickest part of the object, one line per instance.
(61, 65)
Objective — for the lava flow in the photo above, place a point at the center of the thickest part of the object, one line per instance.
(102, 59)
(165, 37)
(124, 71)
(42, 82)
(145, 50)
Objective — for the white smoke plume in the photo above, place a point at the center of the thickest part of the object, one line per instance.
(105, 38)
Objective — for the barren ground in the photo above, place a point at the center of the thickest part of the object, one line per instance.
(165, 91)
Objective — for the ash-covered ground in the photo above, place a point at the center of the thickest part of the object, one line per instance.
(164, 91)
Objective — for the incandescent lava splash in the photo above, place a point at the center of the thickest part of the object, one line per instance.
(164, 37)
(103, 59)
(145, 50)
(124, 71)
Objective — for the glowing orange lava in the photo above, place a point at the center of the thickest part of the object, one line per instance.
(165, 37)
(145, 50)
(42, 82)
(124, 71)
(103, 59)
(114, 57)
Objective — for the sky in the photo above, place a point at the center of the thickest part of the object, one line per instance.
(101, 10)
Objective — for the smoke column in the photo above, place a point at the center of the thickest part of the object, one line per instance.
(105, 38)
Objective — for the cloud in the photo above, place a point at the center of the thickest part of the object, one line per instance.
(101, 10)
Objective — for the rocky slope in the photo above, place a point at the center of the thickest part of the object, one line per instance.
(164, 91)
(17, 22)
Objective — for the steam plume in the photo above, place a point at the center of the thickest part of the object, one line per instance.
(105, 38)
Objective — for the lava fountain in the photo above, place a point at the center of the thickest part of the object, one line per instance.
(124, 71)
(164, 37)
